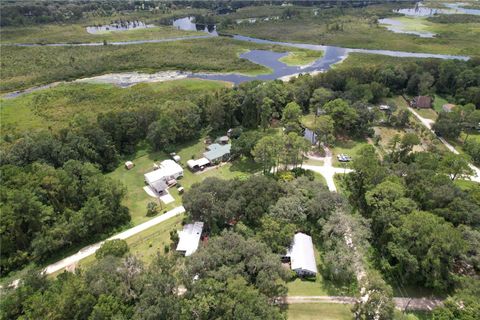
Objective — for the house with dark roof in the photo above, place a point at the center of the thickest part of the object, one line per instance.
(422, 102)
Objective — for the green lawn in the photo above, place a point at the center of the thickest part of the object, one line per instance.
(438, 103)
(324, 311)
(348, 147)
(301, 58)
(428, 113)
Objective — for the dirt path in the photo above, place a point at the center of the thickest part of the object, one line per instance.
(428, 123)
(401, 303)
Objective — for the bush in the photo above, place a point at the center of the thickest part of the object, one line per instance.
(152, 209)
(116, 248)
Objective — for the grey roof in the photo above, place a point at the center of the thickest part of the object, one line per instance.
(159, 185)
(301, 253)
(217, 151)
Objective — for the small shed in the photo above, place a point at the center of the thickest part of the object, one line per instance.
(448, 107)
(384, 107)
(176, 158)
(129, 165)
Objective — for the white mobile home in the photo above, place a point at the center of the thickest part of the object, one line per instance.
(189, 238)
(159, 178)
(302, 255)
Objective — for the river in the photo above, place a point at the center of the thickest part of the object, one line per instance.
(270, 59)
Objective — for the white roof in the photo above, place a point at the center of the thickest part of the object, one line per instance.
(167, 169)
(190, 237)
(301, 253)
(199, 162)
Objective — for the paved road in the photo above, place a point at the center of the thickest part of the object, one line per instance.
(87, 251)
(400, 303)
(428, 123)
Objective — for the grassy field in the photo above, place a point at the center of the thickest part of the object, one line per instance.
(301, 58)
(366, 60)
(324, 311)
(348, 147)
(428, 113)
(76, 33)
(24, 67)
(56, 107)
(358, 29)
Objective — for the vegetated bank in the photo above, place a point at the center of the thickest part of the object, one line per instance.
(359, 28)
(24, 67)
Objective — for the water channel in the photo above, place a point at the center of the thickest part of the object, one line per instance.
(269, 59)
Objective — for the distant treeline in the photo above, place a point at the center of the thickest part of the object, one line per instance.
(19, 13)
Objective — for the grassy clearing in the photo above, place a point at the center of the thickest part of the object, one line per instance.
(77, 33)
(56, 107)
(366, 60)
(438, 103)
(301, 58)
(348, 147)
(24, 67)
(324, 311)
(428, 113)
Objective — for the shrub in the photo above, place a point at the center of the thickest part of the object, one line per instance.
(116, 248)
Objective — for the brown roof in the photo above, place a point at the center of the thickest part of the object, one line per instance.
(423, 102)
